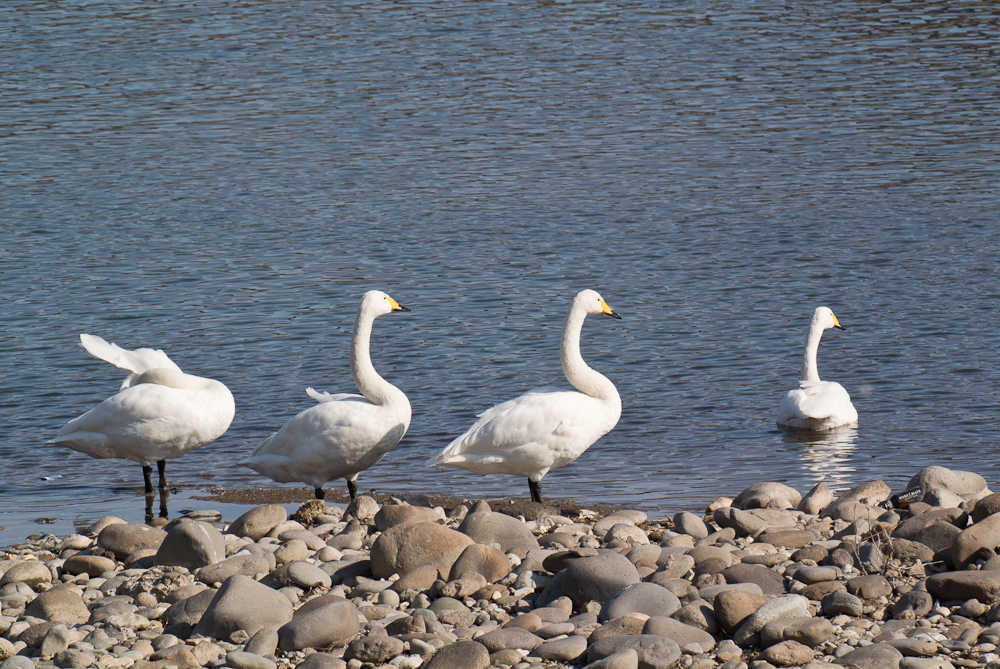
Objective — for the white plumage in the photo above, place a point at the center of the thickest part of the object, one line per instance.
(159, 413)
(343, 434)
(817, 405)
(545, 428)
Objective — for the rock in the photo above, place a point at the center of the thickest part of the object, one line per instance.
(770, 582)
(986, 507)
(391, 515)
(809, 575)
(123, 539)
(760, 495)
(690, 524)
(842, 602)
(598, 578)
(189, 543)
(191, 609)
(263, 643)
(243, 604)
(905, 550)
(247, 564)
(59, 605)
(786, 654)
(859, 502)
(966, 484)
(978, 539)
(322, 661)
(307, 575)
(869, 587)
(31, 573)
(56, 640)
(74, 658)
(420, 578)
(939, 536)
(362, 507)
(567, 649)
(913, 526)
(331, 625)
(655, 652)
(311, 541)
(258, 521)
(238, 659)
(875, 656)
(626, 533)
(810, 632)
(623, 659)
(497, 528)
(981, 585)
(487, 561)
(786, 606)
(460, 655)
(630, 624)
(509, 637)
(698, 614)
(914, 647)
(92, 565)
(403, 548)
(912, 605)
(733, 607)
(925, 663)
(681, 633)
(374, 649)
(816, 499)
(646, 598)
(788, 538)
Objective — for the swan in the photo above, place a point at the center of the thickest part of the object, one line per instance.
(817, 405)
(343, 434)
(544, 428)
(159, 413)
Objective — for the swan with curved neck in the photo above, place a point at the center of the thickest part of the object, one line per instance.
(543, 430)
(343, 434)
(817, 405)
(159, 413)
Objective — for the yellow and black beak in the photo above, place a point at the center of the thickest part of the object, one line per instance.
(837, 324)
(396, 306)
(608, 311)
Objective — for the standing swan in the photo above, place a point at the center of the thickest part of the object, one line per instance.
(544, 429)
(343, 434)
(817, 405)
(159, 413)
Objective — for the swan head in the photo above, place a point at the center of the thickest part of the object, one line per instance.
(593, 303)
(824, 318)
(379, 303)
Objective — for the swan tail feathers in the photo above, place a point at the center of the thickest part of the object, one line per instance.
(322, 397)
(137, 361)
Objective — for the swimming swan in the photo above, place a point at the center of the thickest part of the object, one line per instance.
(543, 429)
(817, 405)
(343, 434)
(159, 413)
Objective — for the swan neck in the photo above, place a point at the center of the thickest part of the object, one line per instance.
(582, 377)
(809, 369)
(375, 389)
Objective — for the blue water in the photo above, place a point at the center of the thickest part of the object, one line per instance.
(225, 181)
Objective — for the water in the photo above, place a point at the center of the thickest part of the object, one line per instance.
(224, 182)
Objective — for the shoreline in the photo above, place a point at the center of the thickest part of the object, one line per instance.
(771, 578)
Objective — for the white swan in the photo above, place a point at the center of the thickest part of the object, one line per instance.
(343, 434)
(817, 405)
(159, 413)
(543, 429)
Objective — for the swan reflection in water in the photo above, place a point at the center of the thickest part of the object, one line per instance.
(827, 455)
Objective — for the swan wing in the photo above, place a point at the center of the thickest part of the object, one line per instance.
(327, 397)
(817, 405)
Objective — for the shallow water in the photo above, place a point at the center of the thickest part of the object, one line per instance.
(224, 182)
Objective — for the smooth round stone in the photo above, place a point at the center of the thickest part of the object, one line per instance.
(18, 662)
(842, 602)
(389, 598)
(258, 521)
(626, 533)
(914, 647)
(32, 573)
(561, 650)
(787, 654)
(553, 630)
(786, 606)
(770, 582)
(509, 637)
(238, 659)
(56, 640)
(321, 661)
(243, 604)
(809, 575)
(328, 626)
(655, 652)
(123, 539)
(810, 632)
(788, 538)
(496, 528)
(404, 548)
(681, 633)
(460, 655)
(391, 515)
(374, 649)
(489, 562)
(875, 656)
(345, 542)
(59, 605)
(291, 551)
(869, 587)
(646, 598)
(925, 663)
(597, 578)
(965, 585)
(761, 495)
(733, 607)
(306, 575)
(92, 565)
(690, 524)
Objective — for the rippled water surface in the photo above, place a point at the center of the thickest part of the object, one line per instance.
(224, 180)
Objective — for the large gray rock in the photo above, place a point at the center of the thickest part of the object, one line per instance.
(391, 515)
(807, 631)
(816, 499)
(565, 649)
(92, 565)
(321, 661)
(912, 605)
(247, 564)
(770, 582)
(967, 484)
(460, 655)
(655, 652)
(59, 605)
(190, 543)
(243, 604)
(497, 528)
(760, 495)
(332, 625)
(509, 637)
(978, 539)
(123, 539)
(646, 598)
(403, 548)
(597, 578)
(983, 585)
(190, 609)
(374, 649)
(841, 602)
(786, 606)
(986, 507)
(690, 524)
(487, 561)
(623, 659)
(875, 656)
(681, 633)
(258, 521)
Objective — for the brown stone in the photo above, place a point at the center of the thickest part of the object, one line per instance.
(403, 548)
(733, 607)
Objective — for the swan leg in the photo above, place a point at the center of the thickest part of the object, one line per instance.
(536, 490)
(147, 476)
(161, 468)
(319, 493)
(352, 488)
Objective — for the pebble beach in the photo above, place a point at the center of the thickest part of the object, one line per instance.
(774, 577)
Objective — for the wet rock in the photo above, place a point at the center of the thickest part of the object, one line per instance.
(511, 534)
(123, 539)
(597, 578)
(243, 604)
(328, 626)
(403, 548)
